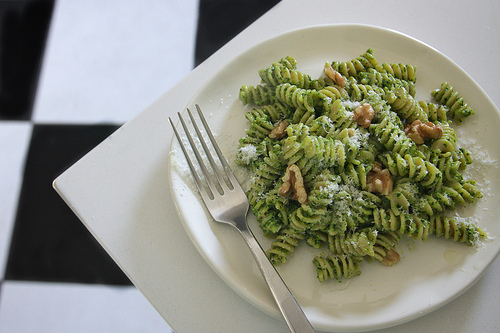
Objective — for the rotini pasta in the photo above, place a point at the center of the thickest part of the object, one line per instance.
(458, 108)
(448, 141)
(359, 92)
(357, 243)
(385, 242)
(434, 112)
(403, 223)
(274, 112)
(336, 266)
(285, 243)
(296, 97)
(284, 72)
(449, 196)
(390, 134)
(350, 162)
(399, 71)
(356, 65)
(259, 95)
(385, 80)
(405, 105)
(448, 164)
(458, 231)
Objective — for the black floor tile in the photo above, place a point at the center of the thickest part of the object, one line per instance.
(49, 243)
(221, 20)
(23, 29)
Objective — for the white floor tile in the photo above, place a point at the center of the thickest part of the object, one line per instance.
(107, 60)
(57, 308)
(14, 141)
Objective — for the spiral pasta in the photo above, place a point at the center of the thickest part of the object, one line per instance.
(385, 80)
(284, 244)
(284, 72)
(392, 136)
(434, 112)
(260, 126)
(340, 117)
(385, 242)
(335, 267)
(450, 195)
(266, 173)
(458, 231)
(314, 152)
(297, 97)
(259, 95)
(458, 108)
(405, 105)
(448, 163)
(401, 71)
(337, 164)
(333, 92)
(448, 141)
(415, 168)
(359, 92)
(274, 112)
(357, 243)
(356, 65)
(316, 238)
(404, 224)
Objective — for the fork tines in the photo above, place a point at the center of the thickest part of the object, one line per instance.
(212, 186)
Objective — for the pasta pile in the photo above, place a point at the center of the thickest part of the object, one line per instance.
(352, 162)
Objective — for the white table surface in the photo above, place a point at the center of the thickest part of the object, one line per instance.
(144, 236)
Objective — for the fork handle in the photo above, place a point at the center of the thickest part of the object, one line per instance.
(294, 316)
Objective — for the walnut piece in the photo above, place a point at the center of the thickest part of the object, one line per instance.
(279, 131)
(364, 114)
(418, 131)
(335, 76)
(293, 183)
(379, 180)
(391, 258)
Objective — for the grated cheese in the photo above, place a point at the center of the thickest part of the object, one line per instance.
(350, 104)
(248, 153)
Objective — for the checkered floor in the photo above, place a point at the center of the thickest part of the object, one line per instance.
(71, 73)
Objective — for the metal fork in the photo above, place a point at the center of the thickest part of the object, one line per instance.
(227, 203)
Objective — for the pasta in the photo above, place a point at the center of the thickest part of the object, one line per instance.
(285, 243)
(336, 266)
(458, 108)
(284, 72)
(350, 162)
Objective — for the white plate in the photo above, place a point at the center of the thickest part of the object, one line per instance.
(430, 274)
